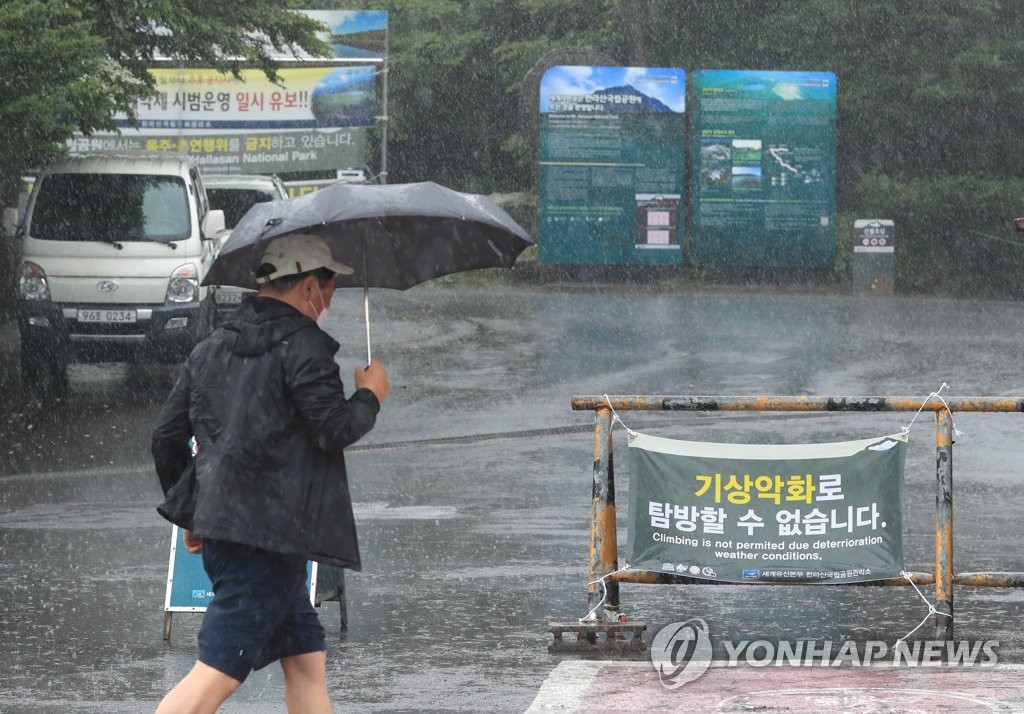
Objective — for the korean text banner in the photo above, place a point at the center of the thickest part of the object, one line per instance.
(809, 513)
(318, 118)
(310, 97)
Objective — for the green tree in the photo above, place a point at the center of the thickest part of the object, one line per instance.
(929, 111)
(930, 91)
(455, 72)
(927, 88)
(68, 66)
(953, 234)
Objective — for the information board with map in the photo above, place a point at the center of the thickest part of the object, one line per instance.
(764, 147)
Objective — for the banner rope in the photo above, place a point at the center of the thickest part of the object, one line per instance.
(615, 417)
(934, 395)
(931, 609)
(592, 616)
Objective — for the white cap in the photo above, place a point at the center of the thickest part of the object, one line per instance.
(296, 253)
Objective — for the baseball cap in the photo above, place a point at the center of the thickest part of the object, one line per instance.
(295, 253)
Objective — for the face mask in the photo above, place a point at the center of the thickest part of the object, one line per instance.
(321, 317)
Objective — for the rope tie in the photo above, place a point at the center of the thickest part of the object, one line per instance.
(615, 417)
(592, 616)
(934, 395)
(931, 608)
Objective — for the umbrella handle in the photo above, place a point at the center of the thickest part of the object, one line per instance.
(366, 314)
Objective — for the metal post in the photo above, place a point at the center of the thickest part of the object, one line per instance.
(384, 118)
(604, 550)
(943, 525)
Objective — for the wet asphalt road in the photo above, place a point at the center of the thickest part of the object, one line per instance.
(473, 494)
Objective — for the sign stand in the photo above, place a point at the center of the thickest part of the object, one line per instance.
(189, 589)
(873, 267)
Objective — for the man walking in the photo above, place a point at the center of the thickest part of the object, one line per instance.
(263, 398)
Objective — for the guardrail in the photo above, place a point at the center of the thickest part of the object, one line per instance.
(604, 553)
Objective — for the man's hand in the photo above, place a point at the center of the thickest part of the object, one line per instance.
(374, 378)
(192, 543)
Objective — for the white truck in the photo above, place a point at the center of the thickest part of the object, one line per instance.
(114, 251)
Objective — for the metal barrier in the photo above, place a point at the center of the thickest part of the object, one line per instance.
(604, 553)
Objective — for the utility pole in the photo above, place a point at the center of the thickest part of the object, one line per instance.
(384, 110)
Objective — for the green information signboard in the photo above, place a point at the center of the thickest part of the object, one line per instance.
(612, 165)
(810, 513)
(764, 146)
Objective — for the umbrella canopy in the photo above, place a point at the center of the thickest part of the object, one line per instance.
(393, 236)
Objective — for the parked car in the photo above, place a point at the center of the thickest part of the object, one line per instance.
(235, 194)
(355, 174)
(114, 252)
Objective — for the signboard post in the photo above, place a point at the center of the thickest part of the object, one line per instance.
(812, 513)
(612, 165)
(764, 147)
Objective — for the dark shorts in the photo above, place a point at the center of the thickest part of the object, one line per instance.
(260, 611)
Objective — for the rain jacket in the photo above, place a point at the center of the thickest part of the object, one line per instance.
(264, 400)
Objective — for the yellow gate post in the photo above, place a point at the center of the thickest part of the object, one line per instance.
(604, 547)
(943, 525)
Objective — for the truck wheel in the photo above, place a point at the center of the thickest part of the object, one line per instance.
(44, 372)
(59, 377)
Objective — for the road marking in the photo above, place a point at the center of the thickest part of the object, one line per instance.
(634, 686)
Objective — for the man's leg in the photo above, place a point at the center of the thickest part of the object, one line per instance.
(305, 683)
(200, 692)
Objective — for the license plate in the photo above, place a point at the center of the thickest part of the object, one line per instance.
(230, 297)
(106, 315)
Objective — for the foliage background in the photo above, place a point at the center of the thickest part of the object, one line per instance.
(929, 106)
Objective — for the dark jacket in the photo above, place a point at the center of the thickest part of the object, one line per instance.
(264, 400)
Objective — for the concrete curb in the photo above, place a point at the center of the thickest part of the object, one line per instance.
(609, 686)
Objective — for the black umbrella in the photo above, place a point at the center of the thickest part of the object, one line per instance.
(393, 236)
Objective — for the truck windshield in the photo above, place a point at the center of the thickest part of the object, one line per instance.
(110, 207)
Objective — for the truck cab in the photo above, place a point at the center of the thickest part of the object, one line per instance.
(114, 252)
(235, 194)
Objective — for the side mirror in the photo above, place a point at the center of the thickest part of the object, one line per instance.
(213, 224)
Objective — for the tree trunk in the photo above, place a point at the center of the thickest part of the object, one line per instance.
(633, 18)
